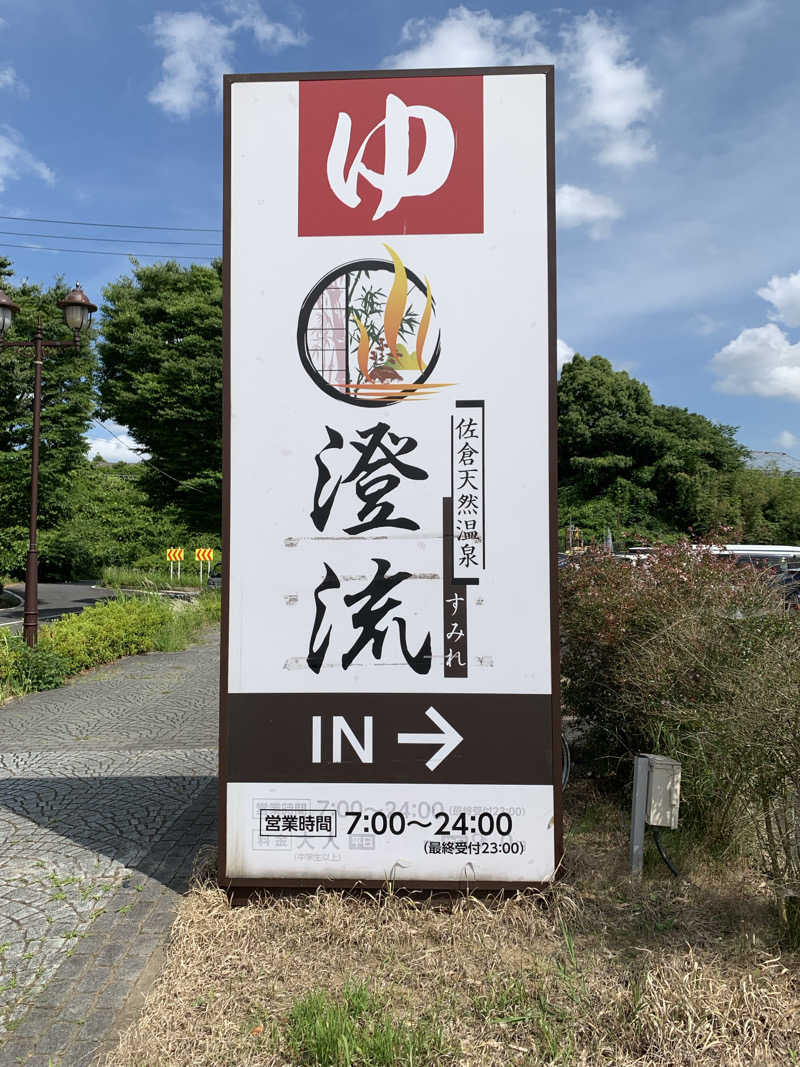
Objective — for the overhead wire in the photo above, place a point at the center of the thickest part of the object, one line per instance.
(158, 242)
(112, 225)
(111, 240)
(113, 252)
(149, 462)
(104, 252)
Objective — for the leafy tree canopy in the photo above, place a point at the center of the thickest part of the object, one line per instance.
(161, 375)
(110, 523)
(68, 403)
(628, 463)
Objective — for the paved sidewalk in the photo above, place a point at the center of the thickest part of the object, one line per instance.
(107, 790)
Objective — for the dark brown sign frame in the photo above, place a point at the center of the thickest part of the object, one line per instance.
(238, 886)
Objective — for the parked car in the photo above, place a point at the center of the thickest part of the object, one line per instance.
(789, 584)
(215, 577)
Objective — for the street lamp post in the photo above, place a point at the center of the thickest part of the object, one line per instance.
(78, 310)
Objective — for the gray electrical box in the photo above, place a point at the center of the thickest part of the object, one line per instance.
(656, 799)
(663, 791)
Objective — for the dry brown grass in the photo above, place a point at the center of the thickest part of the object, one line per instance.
(600, 971)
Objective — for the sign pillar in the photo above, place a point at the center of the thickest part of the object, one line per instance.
(389, 675)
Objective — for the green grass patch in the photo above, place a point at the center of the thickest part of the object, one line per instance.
(507, 1001)
(354, 1029)
(543, 1004)
(154, 578)
(600, 969)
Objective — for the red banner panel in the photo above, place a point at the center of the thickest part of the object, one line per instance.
(391, 156)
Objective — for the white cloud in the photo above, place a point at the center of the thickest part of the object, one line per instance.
(761, 362)
(9, 80)
(198, 50)
(16, 161)
(248, 15)
(614, 93)
(582, 207)
(786, 439)
(465, 38)
(784, 295)
(563, 353)
(113, 449)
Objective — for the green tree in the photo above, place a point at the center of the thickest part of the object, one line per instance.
(758, 506)
(627, 463)
(68, 403)
(110, 523)
(161, 376)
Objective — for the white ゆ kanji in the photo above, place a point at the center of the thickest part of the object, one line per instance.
(395, 182)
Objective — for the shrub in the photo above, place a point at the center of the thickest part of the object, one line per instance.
(24, 669)
(100, 634)
(209, 604)
(692, 656)
(108, 631)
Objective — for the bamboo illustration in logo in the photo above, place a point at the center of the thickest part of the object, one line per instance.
(385, 357)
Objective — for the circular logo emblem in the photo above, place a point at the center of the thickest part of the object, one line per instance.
(367, 333)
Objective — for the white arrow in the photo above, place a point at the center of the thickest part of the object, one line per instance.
(449, 739)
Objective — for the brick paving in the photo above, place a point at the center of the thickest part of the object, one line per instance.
(107, 791)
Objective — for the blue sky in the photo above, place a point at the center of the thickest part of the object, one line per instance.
(678, 165)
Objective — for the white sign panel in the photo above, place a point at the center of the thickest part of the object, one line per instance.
(389, 698)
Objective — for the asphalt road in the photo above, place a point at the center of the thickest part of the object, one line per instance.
(55, 599)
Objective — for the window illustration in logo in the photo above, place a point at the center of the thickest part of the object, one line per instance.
(368, 333)
(391, 155)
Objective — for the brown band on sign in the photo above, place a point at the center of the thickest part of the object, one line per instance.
(454, 605)
(504, 739)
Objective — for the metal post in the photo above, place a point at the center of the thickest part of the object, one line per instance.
(78, 311)
(30, 624)
(638, 810)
